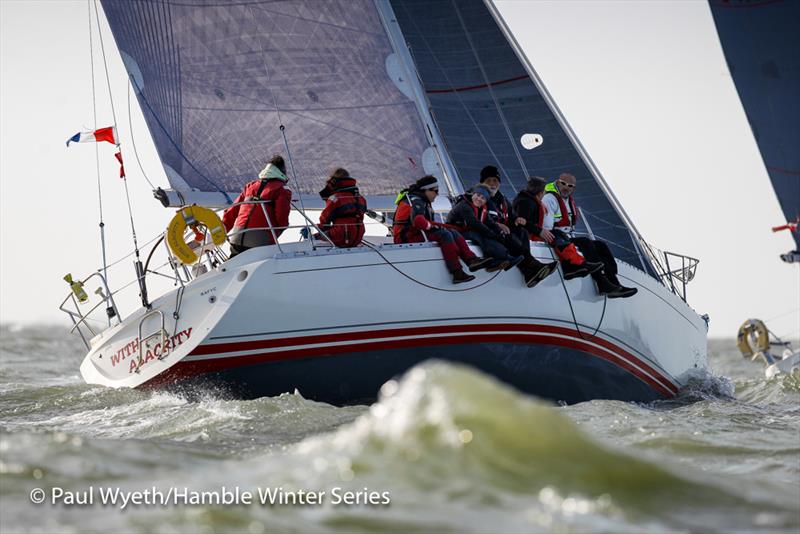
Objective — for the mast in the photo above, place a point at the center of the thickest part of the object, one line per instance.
(412, 77)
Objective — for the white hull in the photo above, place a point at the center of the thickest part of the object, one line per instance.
(788, 365)
(272, 315)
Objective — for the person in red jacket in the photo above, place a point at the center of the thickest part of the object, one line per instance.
(414, 221)
(342, 220)
(267, 194)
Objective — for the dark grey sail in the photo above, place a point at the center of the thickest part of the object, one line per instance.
(484, 100)
(761, 42)
(216, 81)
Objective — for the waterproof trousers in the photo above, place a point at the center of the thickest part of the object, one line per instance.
(453, 247)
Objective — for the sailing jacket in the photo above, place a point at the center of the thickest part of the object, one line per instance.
(342, 220)
(530, 208)
(414, 214)
(564, 215)
(277, 203)
(467, 217)
(499, 210)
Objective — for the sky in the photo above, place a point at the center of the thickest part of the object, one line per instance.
(643, 84)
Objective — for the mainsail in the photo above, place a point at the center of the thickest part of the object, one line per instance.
(217, 80)
(355, 83)
(761, 41)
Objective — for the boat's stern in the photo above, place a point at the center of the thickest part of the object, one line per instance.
(151, 340)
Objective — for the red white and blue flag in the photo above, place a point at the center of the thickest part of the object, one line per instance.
(103, 134)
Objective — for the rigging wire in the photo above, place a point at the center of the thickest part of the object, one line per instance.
(116, 128)
(423, 284)
(461, 101)
(102, 223)
(133, 138)
(140, 272)
(783, 314)
(281, 126)
(489, 86)
(572, 310)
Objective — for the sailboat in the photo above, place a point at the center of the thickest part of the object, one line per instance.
(761, 42)
(392, 90)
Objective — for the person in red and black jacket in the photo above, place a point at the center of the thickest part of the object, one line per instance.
(342, 220)
(250, 227)
(414, 221)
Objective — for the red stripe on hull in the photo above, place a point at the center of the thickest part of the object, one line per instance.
(221, 348)
(188, 369)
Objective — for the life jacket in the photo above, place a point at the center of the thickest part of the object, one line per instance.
(500, 211)
(409, 205)
(559, 218)
(542, 211)
(343, 216)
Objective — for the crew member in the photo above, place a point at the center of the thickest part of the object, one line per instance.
(414, 221)
(513, 234)
(471, 216)
(562, 214)
(246, 217)
(342, 220)
(531, 213)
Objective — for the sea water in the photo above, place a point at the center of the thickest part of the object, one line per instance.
(446, 448)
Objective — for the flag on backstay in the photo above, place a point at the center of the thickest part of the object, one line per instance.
(103, 134)
(118, 155)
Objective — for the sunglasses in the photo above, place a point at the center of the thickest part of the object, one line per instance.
(565, 184)
(434, 190)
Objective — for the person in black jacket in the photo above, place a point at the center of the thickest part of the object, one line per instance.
(470, 216)
(513, 234)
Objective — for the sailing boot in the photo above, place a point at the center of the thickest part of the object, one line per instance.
(534, 271)
(459, 277)
(624, 292)
(608, 288)
(529, 270)
(513, 261)
(476, 263)
(571, 270)
(574, 264)
(548, 269)
(496, 265)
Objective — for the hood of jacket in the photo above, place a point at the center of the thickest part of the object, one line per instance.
(271, 172)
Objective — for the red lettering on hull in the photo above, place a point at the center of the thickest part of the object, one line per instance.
(131, 350)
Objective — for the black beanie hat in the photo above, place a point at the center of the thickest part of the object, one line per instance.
(488, 172)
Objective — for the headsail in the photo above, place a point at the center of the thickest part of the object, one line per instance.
(761, 41)
(487, 105)
(216, 80)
